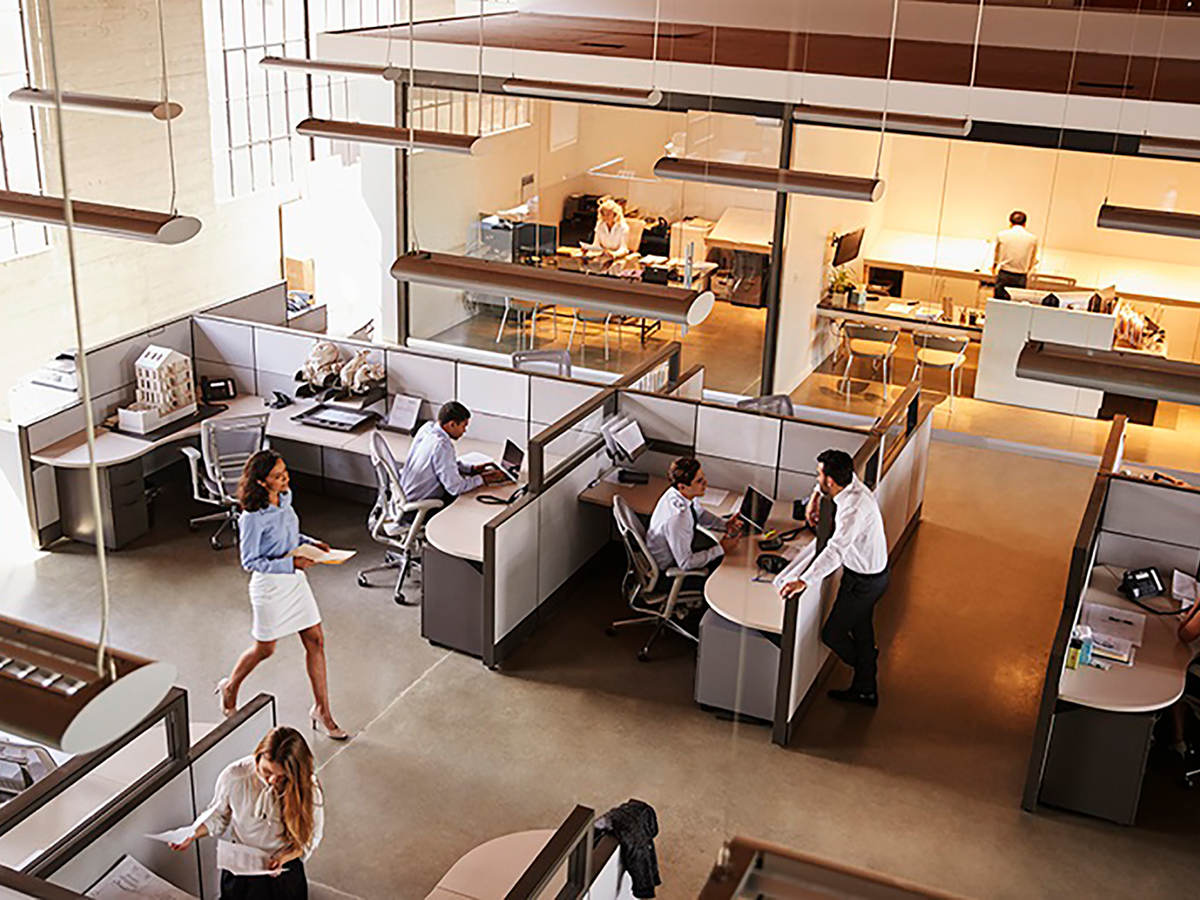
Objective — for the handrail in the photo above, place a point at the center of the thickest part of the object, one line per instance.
(744, 860)
(669, 354)
(569, 842)
(172, 710)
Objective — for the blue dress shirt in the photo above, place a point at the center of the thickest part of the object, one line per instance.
(267, 537)
(432, 467)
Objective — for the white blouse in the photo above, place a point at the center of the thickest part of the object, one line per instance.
(614, 239)
(246, 810)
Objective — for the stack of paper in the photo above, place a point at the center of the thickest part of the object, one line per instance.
(316, 554)
(130, 879)
(1116, 649)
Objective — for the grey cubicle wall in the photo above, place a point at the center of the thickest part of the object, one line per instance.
(1150, 524)
(172, 795)
(268, 306)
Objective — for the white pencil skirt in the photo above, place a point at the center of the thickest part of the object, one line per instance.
(282, 604)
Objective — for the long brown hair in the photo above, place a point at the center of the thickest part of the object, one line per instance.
(251, 494)
(286, 747)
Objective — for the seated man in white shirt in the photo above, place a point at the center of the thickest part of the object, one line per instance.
(859, 545)
(673, 538)
(432, 470)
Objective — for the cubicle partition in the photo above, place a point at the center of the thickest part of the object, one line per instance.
(166, 792)
(892, 460)
(575, 863)
(1093, 727)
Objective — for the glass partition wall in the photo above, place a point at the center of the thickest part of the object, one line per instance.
(532, 192)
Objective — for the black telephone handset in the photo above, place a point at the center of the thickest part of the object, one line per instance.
(1139, 583)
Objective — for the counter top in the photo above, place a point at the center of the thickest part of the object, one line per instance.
(642, 498)
(1159, 671)
(490, 871)
(875, 311)
(743, 229)
(1135, 278)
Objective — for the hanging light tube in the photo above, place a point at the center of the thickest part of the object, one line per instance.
(1149, 221)
(115, 221)
(558, 90)
(1174, 147)
(51, 693)
(1116, 371)
(326, 67)
(872, 119)
(618, 296)
(123, 106)
(817, 184)
(388, 135)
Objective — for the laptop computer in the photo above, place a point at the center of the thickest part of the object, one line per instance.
(755, 509)
(510, 462)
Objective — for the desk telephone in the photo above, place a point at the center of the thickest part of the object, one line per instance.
(1138, 583)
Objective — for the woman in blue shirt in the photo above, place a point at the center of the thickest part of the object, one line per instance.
(280, 598)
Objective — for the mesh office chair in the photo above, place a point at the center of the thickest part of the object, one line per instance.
(395, 522)
(869, 342)
(780, 404)
(225, 445)
(557, 362)
(641, 587)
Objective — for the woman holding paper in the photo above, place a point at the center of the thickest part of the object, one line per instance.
(269, 810)
(280, 597)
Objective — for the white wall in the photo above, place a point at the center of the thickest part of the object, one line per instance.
(124, 285)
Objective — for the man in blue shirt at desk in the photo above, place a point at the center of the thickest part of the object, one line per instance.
(432, 470)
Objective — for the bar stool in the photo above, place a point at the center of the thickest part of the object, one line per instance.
(871, 342)
(941, 351)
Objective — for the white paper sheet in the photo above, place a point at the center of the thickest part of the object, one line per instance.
(175, 836)
(1184, 588)
(316, 554)
(240, 859)
(714, 498)
(474, 458)
(129, 879)
(404, 412)
(1122, 624)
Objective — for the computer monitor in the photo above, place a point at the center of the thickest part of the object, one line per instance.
(535, 239)
(846, 247)
(755, 509)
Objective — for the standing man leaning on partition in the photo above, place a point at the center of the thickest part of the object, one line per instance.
(858, 544)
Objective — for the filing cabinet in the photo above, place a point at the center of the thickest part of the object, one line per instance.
(123, 506)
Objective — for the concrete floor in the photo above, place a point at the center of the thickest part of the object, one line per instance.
(448, 754)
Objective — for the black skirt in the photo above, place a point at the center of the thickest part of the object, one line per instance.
(291, 885)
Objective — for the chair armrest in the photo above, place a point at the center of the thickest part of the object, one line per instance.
(676, 572)
(422, 504)
(191, 453)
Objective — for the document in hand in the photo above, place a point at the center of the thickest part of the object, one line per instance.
(240, 859)
(316, 554)
(129, 879)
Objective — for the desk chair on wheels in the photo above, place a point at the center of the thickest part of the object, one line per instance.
(640, 586)
(225, 445)
(395, 522)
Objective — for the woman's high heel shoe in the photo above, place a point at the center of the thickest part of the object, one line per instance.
(226, 710)
(335, 733)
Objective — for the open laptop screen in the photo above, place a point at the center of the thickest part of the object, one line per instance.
(513, 456)
(756, 508)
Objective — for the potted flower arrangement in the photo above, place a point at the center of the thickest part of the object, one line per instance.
(842, 287)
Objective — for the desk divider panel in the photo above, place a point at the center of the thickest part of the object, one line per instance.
(690, 385)
(1155, 512)
(734, 434)
(496, 391)
(225, 349)
(267, 307)
(661, 418)
(800, 442)
(550, 399)
(433, 380)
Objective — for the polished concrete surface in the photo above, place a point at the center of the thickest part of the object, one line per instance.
(728, 343)
(448, 754)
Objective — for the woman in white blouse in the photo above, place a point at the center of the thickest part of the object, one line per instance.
(612, 231)
(271, 802)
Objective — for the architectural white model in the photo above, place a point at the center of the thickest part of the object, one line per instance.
(165, 391)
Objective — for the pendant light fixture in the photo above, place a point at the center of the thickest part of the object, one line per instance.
(1149, 221)
(327, 67)
(618, 296)
(123, 106)
(388, 135)
(863, 118)
(115, 221)
(51, 693)
(1178, 148)
(817, 184)
(556, 90)
(1130, 373)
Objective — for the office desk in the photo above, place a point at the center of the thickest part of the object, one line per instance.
(1104, 721)
(732, 591)
(642, 498)
(490, 871)
(875, 312)
(1159, 671)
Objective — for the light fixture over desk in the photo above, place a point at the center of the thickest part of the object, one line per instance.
(558, 90)
(325, 67)
(1149, 221)
(1127, 372)
(102, 103)
(389, 135)
(619, 296)
(871, 119)
(764, 178)
(114, 221)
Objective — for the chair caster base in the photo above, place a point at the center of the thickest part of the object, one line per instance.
(400, 601)
(643, 656)
(363, 582)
